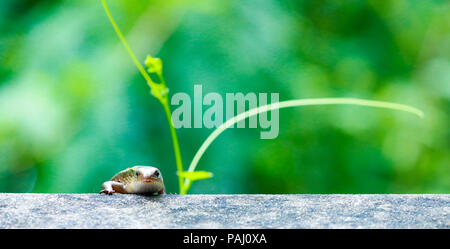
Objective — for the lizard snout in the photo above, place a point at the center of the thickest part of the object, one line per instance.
(148, 179)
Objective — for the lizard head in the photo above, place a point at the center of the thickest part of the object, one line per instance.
(147, 174)
(147, 177)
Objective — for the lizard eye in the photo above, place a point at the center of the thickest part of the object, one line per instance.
(137, 173)
(156, 174)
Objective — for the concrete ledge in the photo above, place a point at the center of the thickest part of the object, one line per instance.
(223, 211)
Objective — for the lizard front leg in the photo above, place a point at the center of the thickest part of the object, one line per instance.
(111, 187)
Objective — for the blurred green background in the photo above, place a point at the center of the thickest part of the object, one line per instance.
(74, 110)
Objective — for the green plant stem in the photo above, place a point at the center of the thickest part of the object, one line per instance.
(176, 146)
(125, 44)
(186, 186)
(158, 92)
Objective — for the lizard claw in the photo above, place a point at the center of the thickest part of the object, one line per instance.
(108, 192)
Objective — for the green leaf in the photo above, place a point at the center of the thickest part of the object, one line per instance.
(154, 65)
(196, 175)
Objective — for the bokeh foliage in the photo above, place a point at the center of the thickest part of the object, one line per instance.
(74, 109)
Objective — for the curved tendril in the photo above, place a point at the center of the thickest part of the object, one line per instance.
(293, 103)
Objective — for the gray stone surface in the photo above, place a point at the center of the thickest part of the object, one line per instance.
(223, 211)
